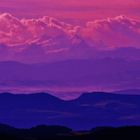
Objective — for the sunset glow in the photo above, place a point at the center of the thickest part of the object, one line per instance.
(73, 9)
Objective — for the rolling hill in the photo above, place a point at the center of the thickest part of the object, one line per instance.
(87, 111)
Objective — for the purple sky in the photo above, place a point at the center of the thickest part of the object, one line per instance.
(38, 31)
(73, 9)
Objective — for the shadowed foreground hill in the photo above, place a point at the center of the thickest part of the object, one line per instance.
(102, 109)
(43, 132)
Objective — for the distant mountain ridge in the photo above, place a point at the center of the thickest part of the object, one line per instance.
(129, 91)
(36, 54)
(105, 73)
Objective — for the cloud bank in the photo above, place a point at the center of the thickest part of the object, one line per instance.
(47, 36)
(113, 32)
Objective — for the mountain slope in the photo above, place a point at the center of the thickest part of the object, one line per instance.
(89, 110)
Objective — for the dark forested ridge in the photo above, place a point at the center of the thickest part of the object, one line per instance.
(44, 132)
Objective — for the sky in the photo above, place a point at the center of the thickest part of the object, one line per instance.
(71, 10)
(42, 31)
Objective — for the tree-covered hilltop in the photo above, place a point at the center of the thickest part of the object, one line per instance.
(43, 132)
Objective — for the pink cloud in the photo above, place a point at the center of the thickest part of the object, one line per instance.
(113, 32)
(18, 32)
(53, 39)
